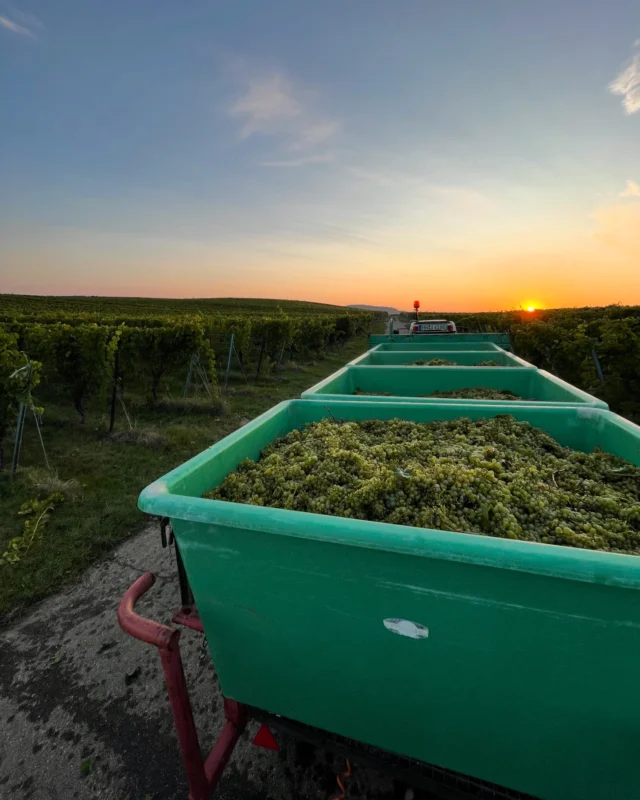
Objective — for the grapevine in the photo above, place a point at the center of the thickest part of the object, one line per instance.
(564, 341)
(37, 514)
(90, 345)
(18, 376)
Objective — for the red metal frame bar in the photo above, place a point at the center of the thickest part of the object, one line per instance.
(202, 776)
(189, 617)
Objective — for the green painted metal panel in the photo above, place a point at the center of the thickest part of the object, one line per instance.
(510, 661)
(501, 339)
(425, 343)
(375, 357)
(410, 384)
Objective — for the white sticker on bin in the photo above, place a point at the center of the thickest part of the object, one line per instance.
(404, 627)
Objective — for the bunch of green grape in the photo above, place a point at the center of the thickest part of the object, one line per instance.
(435, 362)
(472, 393)
(478, 393)
(497, 477)
(443, 362)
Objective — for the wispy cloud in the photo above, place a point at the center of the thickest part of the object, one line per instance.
(268, 105)
(415, 185)
(21, 24)
(632, 189)
(321, 158)
(271, 104)
(627, 83)
(317, 132)
(383, 178)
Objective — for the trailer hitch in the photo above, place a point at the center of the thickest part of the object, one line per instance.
(202, 776)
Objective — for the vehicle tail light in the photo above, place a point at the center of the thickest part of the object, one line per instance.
(449, 327)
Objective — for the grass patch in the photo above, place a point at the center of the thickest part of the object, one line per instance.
(44, 482)
(102, 475)
(192, 405)
(147, 437)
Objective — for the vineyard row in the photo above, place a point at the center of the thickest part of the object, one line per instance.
(597, 349)
(81, 359)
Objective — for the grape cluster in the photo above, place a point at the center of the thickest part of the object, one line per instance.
(497, 477)
(472, 393)
(443, 362)
(435, 362)
(478, 393)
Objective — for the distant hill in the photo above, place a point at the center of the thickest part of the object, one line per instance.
(16, 304)
(384, 309)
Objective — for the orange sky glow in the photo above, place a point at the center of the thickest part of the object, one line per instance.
(490, 160)
(594, 263)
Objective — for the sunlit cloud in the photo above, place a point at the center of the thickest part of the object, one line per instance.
(317, 132)
(21, 24)
(458, 195)
(618, 226)
(273, 105)
(627, 83)
(268, 106)
(632, 189)
(321, 158)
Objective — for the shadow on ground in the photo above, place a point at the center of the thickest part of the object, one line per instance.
(84, 712)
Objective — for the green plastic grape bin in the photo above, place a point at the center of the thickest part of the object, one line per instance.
(501, 339)
(460, 357)
(509, 661)
(409, 385)
(425, 343)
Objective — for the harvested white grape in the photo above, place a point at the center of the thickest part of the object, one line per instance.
(498, 477)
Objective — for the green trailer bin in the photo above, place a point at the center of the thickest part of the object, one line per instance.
(409, 385)
(424, 343)
(509, 661)
(461, 358)
(501, 339)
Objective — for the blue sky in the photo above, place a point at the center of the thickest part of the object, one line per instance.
(480, 153)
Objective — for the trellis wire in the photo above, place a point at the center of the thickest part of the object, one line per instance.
(187, 383)
(596, 363)
(17, 444)
(44, 452)
(201, 372)
(281, 354)
(124, 408)
(231, 348)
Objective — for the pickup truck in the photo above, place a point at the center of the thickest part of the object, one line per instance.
(433, 326)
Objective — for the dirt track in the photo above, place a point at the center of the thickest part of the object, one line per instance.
(84, 711)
